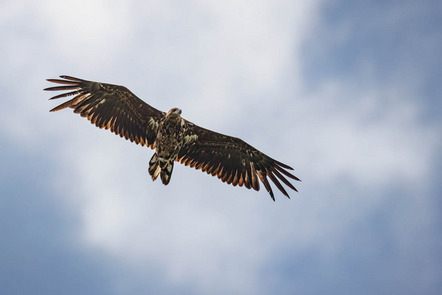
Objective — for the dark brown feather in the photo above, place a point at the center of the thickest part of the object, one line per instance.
(277, 183)
(233, 161)
(109, 106)
(286, 173)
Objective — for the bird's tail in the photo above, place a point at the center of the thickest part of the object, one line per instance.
(162, 167)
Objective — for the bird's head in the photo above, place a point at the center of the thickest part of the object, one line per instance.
(174, 112)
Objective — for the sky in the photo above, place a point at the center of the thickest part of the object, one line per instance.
(346, 92)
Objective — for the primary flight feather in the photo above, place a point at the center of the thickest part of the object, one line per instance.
(173, 138)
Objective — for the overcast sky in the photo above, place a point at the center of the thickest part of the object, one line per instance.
(346, 92)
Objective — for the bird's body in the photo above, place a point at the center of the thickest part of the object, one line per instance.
(170, 139)
(174, 139)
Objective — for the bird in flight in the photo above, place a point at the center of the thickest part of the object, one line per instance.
(172, 137)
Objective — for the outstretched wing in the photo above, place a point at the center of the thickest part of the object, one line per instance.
(232, 160)
(111, 107)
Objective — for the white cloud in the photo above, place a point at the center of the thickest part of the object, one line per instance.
(356, 133)
(86, 33)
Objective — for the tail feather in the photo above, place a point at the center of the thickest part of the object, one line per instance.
(154, 167)
(161, 167)
(166, 171)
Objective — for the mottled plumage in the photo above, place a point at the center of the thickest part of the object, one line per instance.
(174, 139)
(169, 141)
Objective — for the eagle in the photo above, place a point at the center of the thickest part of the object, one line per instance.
(173, 138)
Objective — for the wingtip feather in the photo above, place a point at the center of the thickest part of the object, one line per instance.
(71, 78)
(283, 165)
